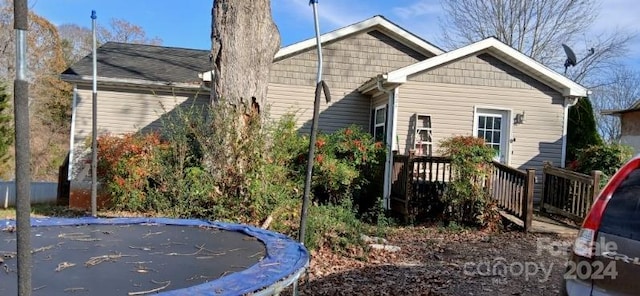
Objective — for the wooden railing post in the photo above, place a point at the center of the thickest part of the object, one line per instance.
(544, 197)
(527, 201)
(596, 175)
(408, 178)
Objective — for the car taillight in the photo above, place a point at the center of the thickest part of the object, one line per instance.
(584, 244)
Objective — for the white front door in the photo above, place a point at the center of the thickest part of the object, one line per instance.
(493, 127)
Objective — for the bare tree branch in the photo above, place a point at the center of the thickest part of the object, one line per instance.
(620, 92)
(536, 27)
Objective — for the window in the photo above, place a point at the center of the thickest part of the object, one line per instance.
(492, 125)
(423, 139)
(490, 129)
(379, 123)
(622, 215)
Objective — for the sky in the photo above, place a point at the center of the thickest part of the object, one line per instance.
(187, 23)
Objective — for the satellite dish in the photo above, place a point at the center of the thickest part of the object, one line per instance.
(572, 60)
(571, 56)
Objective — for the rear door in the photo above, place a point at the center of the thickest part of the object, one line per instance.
(616, 266)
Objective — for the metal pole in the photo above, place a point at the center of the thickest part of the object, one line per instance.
(23, 172)
(310, 158)
(312, 138)
(94, 129)
(318, 41)
(314, 130)
(72, 132)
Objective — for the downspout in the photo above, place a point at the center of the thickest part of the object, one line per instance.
(386, 188)
(72, 137)
(568, 103)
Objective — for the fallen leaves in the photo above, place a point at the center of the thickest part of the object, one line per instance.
(431, 261)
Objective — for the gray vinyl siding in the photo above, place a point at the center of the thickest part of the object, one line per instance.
(348, 63)
(485, 82)
(348, 107)
(380, 100)
(127, 110)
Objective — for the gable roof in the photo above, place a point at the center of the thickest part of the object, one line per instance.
(634, 107)
(142, 64)
(503, 52)
(377, 22)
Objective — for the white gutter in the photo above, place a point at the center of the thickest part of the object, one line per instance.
(386, 188)
(80, 78)
(72, 132)
(568, 102)
(394, 141)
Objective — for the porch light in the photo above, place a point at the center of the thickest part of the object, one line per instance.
(520, 118)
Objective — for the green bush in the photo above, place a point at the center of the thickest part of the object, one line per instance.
(581, 129)
(607, 158)
(219, 163)
(466, 201)
(335, 226)
(345, 163)
(222, 164)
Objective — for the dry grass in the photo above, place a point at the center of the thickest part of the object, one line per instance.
(49, 210)
(49, 147)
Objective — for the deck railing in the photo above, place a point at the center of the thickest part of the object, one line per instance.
(512, 190)
(418, 183)
(569, 193)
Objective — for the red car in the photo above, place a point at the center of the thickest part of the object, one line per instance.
(605, 258)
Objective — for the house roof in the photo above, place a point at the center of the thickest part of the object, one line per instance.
(498, 49)
(159, 65)
(634, 107)
(377, 22)
(142, 64)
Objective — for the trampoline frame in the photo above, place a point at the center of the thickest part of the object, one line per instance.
(281, 251)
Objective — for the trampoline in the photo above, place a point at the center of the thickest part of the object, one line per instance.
(141, 256)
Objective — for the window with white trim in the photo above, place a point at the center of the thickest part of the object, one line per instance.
(493, 126)
(379, 123)
(423, 137)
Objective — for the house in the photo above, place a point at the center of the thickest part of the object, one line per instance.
(403, 89)
(629, 125)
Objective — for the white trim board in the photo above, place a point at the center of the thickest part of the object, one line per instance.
(401, 35)
(478, 110)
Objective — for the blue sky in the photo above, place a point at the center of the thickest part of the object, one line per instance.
(187, 23)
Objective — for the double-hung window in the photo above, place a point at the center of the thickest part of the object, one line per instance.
(380, 123)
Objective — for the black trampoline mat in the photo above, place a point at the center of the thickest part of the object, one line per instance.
(124, 259)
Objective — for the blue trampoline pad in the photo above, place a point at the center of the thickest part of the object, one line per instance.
(141, 256)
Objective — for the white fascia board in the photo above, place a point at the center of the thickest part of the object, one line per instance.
(358, 27)
(79, 78)
(571, 88)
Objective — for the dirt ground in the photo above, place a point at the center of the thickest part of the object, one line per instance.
(432, 261)
(436, 261)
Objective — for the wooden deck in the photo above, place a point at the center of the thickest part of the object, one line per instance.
(542, 224)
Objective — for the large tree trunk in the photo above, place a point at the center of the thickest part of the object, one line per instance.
(244, 41)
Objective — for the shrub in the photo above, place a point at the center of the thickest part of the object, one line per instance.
(333, 225)
(126, 165)
(218, 163)
(345, 162)
(215, 170)
(581, 130)
(467, 203)
(607, 158)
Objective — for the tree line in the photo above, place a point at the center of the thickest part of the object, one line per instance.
(52, 49)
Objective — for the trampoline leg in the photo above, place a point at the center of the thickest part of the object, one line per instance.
(295, 288)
